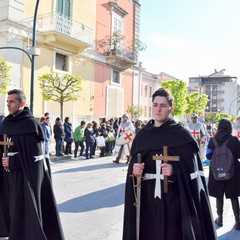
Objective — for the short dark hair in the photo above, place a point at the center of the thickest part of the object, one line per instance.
(83, 123)
(20, 95)
(66, 119)
(161, 92)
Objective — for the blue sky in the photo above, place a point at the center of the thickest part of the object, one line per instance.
(188, 38)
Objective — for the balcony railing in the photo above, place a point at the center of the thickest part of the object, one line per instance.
(56, 22)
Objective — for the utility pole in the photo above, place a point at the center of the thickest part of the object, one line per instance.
(34, 53)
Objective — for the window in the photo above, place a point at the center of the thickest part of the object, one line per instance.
(64, 7)
(150, 91)
(116, 77)
(117, 23)
(145, 91)
(62, 62)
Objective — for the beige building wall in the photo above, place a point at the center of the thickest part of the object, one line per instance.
(80, 62)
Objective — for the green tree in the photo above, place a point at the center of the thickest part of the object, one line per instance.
(210, 116)
(196, 102)
(4, 75)
(136, 111)
(178, 88)
(60, 88)
(220, 116)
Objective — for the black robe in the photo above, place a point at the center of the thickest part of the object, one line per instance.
(184, 212)
(28, 206)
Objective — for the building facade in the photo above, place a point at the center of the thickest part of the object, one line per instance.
(75, 37)
(222, 91)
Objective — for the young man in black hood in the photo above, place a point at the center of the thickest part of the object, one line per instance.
(183, 212)
(27, 204)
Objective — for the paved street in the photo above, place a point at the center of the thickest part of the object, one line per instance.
(90, 197)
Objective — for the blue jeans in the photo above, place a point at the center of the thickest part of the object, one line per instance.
(58, 146)
(89, 146)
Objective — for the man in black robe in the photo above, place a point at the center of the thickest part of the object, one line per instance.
(184, 212)
(28, 206)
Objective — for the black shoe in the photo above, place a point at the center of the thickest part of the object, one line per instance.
(115, 161)
(219, 221)
(237, 226)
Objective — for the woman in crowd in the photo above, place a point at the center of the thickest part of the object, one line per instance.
(68, 135)
(90, 140)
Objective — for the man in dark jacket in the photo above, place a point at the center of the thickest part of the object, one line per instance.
(27, 204)
(183, 212)
(229, 187)
(58, 130)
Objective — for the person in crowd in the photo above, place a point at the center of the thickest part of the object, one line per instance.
(28, 208)
(228, 188)
(110, 137)
(236, 128)
(47, 115)
(183, 210)
(104, 132)
(68, 130)
(124, 149)
(47, 135)
(115, 127)
(198, 132)
(138, 126)
(96, 130)
(78, 137)
(59, 135)
(89, 139)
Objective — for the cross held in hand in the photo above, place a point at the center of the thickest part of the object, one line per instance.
(165, 158)
(5, 144)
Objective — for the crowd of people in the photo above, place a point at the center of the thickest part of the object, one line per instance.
(83, 141)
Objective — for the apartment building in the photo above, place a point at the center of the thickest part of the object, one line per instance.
(222, 91)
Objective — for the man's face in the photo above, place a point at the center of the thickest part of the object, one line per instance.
(161, 110)
(14, 107)
(238, 121)
(124, 119)
(194, 120)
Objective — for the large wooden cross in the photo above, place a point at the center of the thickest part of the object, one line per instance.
(165, 158)
(5, 144)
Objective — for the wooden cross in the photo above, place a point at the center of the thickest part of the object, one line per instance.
(5, 143)
(165, 158)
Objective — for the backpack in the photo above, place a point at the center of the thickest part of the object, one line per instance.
(222, 162)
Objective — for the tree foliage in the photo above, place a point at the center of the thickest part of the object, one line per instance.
(220, 116)
(136, 111)
(60, 88)
(4, 75)
(178, 88)
(196, 102)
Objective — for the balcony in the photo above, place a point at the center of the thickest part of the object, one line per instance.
(57, 29)
(121, 57)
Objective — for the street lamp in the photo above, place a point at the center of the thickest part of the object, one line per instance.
(229, 111)
(31, 53)
(34, 51)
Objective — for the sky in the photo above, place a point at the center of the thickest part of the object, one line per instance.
(188, 38)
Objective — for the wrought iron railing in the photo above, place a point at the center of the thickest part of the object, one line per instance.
(57, 22)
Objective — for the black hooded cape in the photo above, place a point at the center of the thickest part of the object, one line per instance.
(28, 208)
(184, 212)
